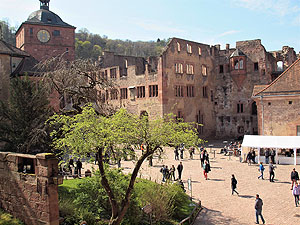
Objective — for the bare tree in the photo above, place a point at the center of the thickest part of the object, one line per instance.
(77, 83)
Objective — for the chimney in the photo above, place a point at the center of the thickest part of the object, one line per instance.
(218, 46)
(227, 47)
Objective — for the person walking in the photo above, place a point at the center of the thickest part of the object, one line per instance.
(273, 153)
(267, 155)
(191, 151)
(271, 171)
(294, 177)
(249, 156)
(233, 185)
(172, 172)
(296, 193)
(179, 168)
(163, 171)
(176, 152)
(261, 170)
(258, 209)
(253, 156)
(181, 150)
(79, 167)
(202, 157)
(206, 169)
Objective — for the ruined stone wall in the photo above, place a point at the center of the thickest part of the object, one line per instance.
(201, 105)
(131, 82)
(28, 187)
(234, 88)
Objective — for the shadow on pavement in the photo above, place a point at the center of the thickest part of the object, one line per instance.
(216, 179)
(214, 217)
(246, 196)
(216, 167)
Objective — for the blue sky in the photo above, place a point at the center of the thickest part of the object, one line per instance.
(275, 22)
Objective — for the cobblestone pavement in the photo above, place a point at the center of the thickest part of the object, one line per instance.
(220, 207)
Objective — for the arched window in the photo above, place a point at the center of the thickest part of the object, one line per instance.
(236, 64)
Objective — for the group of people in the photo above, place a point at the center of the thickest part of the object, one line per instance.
(180, 149)
(271, 171)
(169, 174)
(77, 168)
(204, 159)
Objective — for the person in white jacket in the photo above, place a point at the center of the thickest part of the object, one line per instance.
(296, 193)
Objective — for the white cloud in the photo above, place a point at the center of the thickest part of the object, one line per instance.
(230, 32)
(275, 7)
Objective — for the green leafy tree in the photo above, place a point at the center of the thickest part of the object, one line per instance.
(87, 132)
(22, 118)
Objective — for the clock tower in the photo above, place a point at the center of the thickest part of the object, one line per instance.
(44, 34)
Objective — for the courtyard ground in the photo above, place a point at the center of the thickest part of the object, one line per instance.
(219, 206)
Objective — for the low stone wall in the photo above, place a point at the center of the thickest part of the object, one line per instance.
(29, 187)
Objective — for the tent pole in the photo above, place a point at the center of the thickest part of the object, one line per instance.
(295, 156)
(276, 156)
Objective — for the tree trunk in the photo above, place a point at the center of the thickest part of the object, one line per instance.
(106, 186)
(126, 200)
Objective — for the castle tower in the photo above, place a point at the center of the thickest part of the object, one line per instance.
(44, 34)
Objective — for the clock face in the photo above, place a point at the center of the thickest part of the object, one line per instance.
(43, 36)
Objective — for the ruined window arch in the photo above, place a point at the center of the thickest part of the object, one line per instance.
(280, 66)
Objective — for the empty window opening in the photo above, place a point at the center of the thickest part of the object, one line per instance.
(124, 93)
(200, 51)
(221, 69)
(190, 91)
(26, 165)
(113, 73)
(254, 108)
(189, 48)
(178, 91)
(141, 92)
(153, 90)
(269, 103)
(178, 46)
(290, 102)
(204, 70)
(114, 94)
(204, 92)
(279, 66)
(256, 66)
(240, 108)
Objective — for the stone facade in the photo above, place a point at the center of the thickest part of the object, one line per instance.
(199, 83)
(278, 104)
(29, 187)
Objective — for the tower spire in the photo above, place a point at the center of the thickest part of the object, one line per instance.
(44, 4)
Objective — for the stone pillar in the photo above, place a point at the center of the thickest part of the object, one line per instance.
(295, 156)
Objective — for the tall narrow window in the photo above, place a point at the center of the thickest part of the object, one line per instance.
(189, 69)
(221, 70)
(204, 92)
(256, 66)
(190, 91)
(178, 46)
(113, 73)
(114, 94)
(236, 64)
(31, 31)
(178, 68)
(211, 95)
(240, 108)
(204, 70)
(200, 51)
(241, 64)
(124, 93)
(189, 48)
(178, 89)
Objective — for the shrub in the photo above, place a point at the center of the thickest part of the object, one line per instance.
(7, 219)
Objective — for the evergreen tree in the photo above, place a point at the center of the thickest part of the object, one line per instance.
(23, 116)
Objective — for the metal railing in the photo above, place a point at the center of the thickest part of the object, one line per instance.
(191, 218)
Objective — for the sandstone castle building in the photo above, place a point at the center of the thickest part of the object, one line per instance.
(197, 82)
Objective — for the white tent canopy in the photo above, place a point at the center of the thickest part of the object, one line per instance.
(257, 141)
(277, 142)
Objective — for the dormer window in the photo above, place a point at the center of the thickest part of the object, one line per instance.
(200, 51)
